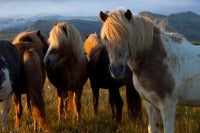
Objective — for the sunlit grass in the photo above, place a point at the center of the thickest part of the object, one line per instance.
(187, 118)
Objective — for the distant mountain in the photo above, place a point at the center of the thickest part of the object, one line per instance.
(186, 23)
(83, 26)
(21, 23)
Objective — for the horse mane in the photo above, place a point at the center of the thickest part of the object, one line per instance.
(34, 37)
(92, 41)
(66, 34)
(137, 32)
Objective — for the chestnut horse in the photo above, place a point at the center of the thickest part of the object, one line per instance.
(166, 67)
(32, 47)
(10, 64)
(66, 65)
(100, 77)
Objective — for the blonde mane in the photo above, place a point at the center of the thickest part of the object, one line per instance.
(137, 32)
(92, 41)
(66, 34)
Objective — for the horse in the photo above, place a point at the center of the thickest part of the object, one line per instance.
(9, 77)
(100, 77)
(66, 66)
(165, 65)
(32, 47)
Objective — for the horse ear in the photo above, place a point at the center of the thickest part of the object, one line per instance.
(38, 32)
(85, 36)
(128, 14)
(103, 16)
(54, 24)
(64, 27)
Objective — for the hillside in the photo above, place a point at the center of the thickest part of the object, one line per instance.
(83, 26)
(185, 23)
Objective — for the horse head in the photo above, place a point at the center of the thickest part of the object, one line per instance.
(64, 43)
(115, 37)
(90, 43)
(35, 37)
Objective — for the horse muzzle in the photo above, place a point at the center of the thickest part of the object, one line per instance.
(49, 60)
(117, 70)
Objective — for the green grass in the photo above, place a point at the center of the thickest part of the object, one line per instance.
(187, 118)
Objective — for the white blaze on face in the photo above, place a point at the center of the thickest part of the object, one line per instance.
(6, 87)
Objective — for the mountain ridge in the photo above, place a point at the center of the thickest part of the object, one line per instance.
(185, 23)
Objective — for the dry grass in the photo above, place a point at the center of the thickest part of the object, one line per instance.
(187, 118)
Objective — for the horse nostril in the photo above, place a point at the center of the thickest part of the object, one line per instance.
(111, 68)
(117, 70)
(47, 62)
(121, 67)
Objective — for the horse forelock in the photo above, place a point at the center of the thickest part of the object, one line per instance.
(56, 37)
(67, 35)
(92, 41)
(137, 32)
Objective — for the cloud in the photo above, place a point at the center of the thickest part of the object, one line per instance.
(92, 7)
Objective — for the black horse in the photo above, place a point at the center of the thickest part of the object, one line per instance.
(100, 77)
(10, 65)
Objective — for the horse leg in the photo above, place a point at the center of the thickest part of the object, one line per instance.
(18, 109)
(168, 116)
(118, 104)
(4, 112)
(154, 117)
(28, 104)
(37, 105)
(134, 102)
(133, 99)
(74, 105)
(111, 101)
(78, 101)
(70, 103)
(95, 92)
(60, 106)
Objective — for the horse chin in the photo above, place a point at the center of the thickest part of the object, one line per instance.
(118, 76)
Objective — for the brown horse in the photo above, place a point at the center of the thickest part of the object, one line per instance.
(100, 77)
(66, 66)
(10, 63)
(32, 47)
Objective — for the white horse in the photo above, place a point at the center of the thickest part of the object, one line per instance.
(166, 67)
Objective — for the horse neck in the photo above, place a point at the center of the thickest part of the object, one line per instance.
(141, 33)
(154, 54)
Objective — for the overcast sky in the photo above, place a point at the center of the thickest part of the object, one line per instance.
(92, 7)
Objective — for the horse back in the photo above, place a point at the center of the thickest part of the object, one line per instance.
(184, 64)
(33, 70)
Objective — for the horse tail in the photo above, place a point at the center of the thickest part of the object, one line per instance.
(134, 100)
(35, 78)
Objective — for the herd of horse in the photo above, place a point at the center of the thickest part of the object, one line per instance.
(131, 51)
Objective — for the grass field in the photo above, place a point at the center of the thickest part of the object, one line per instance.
(187, 118)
